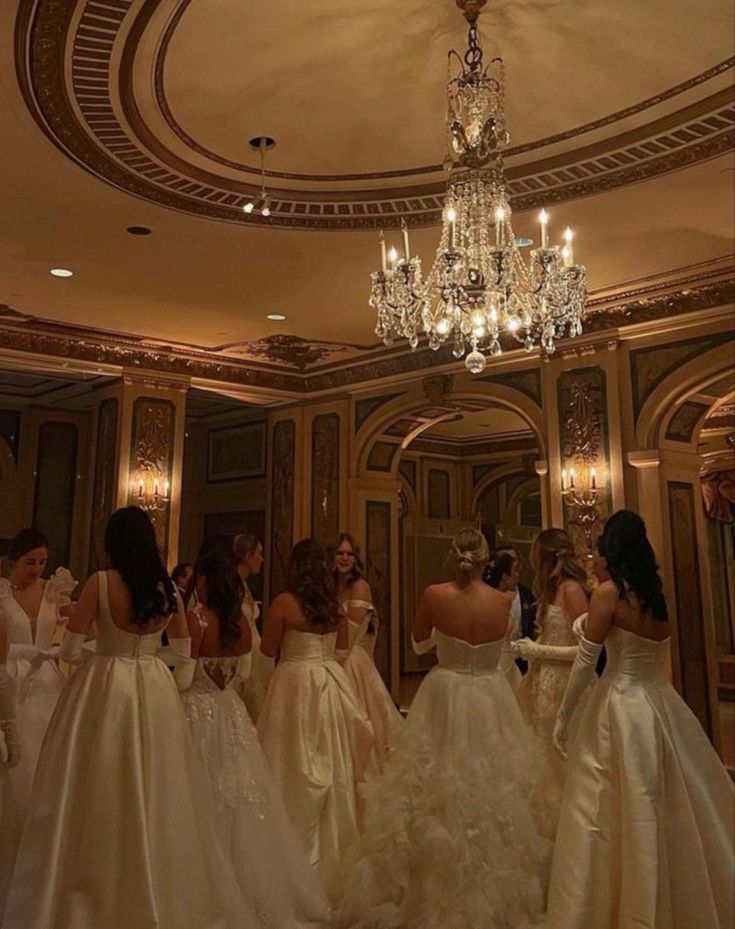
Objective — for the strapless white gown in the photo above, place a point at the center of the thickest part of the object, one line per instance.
(319, 746)
(274, 874)
(645, 835)
(450, 841)
(253, 689)
(367, 682)
(120, 833)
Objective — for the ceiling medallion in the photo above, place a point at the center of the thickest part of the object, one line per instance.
(479, 284)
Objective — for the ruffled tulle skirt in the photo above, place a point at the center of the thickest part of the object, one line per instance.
(450, 836)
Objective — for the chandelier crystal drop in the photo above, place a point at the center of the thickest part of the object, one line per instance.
(480, 285)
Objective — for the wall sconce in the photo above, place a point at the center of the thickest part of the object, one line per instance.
(580, 485)
(150, 491)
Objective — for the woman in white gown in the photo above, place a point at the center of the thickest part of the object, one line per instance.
(249, 555)
(645, 834)
(503, 573)
(31, 607)
(450, 840)
(271, 866)
(313, 730)
(355, 599)
(10, 753)
(560, 586)
(120, 832)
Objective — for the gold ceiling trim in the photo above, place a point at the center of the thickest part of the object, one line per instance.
(121, 149)
(698, 288)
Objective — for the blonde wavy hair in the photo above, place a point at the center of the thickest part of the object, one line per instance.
(469, 551)
(554, 561)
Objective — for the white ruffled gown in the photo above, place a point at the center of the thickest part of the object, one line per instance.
(253, 827)
(450, 840)
(120, 833)
(645, 835)
(252, 690)
(319, 746)
(367, 682)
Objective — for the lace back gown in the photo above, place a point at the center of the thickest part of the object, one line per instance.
(450, 841)
(367, 682)
(120, 832)
(319, 746)
(645, 834)
(253, 827)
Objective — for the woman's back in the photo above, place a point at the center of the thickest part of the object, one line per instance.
(114, 597)
(475, 613)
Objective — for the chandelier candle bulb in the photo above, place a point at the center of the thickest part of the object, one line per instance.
(563, 480)
(499, 217)
(406, 252)
(392, 255)
(544, 220)
(569, 255)
(593, 479)
(383, 256)
(571, 479)
(452, 217)
(166, 488)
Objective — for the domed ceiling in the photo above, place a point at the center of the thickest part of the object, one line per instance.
(139, 112)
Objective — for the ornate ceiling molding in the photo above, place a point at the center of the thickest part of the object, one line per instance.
(285, 367)
(75, 64)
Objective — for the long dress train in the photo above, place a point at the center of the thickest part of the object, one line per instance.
(319, 746)
(450, 840)
(645, 834)
(252, 825)
(120, 831)
(367, 682)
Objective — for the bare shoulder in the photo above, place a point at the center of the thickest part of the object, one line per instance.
(360, 590)
(437, 591)
(570, 585)
(606, 593)
(284, 603)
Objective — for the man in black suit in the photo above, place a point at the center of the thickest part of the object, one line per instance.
(523, 611)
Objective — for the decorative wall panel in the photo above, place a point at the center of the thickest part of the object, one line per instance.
(438, 494)
(105, 473)
(282, 502)
(689, 607)
(407, 467)
(56, 479)
(378, 566)
(365, 408)
(10, 430)
(583, 435)
(152, 453)
(236, 452)
(381, 456)
(684, 421)
(325, 478)
(528, 382)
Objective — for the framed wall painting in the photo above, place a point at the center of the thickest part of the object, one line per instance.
(236, 452)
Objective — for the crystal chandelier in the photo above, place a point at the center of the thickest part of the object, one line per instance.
(480, 285)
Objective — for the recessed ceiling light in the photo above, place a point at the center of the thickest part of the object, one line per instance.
(61, 272)
(276, 317)
(139, 230)
(522, 241)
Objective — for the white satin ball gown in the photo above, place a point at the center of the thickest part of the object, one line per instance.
(450, 840)
(120, 833)
(540, 694)
(319, 746)
(39, 682)
(645, 835)
(252, 825)
(367, 682)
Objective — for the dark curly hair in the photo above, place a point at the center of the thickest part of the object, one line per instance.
(224, 589)
(130, 542)
(310, 581)
(500, 564)
(631, 562)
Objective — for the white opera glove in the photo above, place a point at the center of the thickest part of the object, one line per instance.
(7, 718)
(535, 651)
(578, 626)
(425, 645)
(583, 671)
(244, 666)
(72, 649)
(184, 664)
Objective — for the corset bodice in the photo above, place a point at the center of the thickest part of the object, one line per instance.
(308, 646)
(458, 655)
(634, 658)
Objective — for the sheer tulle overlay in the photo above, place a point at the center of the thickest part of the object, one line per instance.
(319, 745)
(450, 840)
(119, 833)
(271, 866)
(645, 834)
(368, 684)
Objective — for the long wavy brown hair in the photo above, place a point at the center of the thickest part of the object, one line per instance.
(310, 581)
(358, 568)
(554, 561)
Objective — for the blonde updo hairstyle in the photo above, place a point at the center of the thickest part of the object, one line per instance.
(554, 561)
(469, 552)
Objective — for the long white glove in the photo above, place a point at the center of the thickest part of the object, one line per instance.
(535, 651)
(244, 666)
(72, 649)
(184, 664)
(425, 645)
(583, 671)
(7, 718)
(578, 626)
